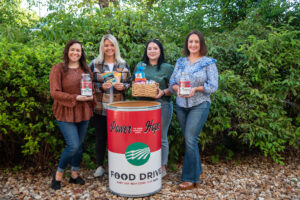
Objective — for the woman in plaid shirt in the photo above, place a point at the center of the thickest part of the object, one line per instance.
(109, 60)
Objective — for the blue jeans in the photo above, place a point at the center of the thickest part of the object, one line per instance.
(166, 117)
(74, 133)
(191, 121)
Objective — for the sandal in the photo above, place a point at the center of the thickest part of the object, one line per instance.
(188, 185)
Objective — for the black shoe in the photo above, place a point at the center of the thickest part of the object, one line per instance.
(77, 180)
(55, 185)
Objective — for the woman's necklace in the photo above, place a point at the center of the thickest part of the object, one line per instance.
(73, 65)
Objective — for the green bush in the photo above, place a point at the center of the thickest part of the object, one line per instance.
(26, 118)
(256, 105)
(257, 99)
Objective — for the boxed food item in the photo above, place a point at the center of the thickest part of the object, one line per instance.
(109, 77)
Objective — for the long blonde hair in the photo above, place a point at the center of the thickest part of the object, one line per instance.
(111, 38)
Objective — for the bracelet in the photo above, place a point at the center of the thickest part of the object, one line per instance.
(164, 92)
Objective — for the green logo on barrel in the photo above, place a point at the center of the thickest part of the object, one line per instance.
(137, 153)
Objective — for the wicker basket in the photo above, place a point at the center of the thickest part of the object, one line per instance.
(144, 90)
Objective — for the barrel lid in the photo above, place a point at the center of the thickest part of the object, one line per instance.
(134, 105)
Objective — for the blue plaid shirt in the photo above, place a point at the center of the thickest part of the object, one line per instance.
(203, 72)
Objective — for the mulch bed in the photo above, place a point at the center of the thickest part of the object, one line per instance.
(252, 177)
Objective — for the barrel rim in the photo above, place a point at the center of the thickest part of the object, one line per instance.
(155, 105)
(135, 195)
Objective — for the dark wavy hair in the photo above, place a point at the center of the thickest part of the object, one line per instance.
(82, 60)
(203, 48)
(161, 58)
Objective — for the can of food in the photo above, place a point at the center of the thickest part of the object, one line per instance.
(134, 148)
(86, 85)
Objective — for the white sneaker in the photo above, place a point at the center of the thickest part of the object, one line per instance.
(99, 172)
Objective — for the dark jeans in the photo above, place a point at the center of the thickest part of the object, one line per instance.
(74, 133)
(100, 125)
(192, 120)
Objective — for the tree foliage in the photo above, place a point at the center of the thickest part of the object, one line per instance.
(256, 44)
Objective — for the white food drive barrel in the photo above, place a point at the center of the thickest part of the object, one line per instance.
(134, 148)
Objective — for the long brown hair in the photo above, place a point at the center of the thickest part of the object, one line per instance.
(203, 48)
(82, 60)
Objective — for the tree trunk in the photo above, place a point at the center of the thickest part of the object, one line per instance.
(105, 3)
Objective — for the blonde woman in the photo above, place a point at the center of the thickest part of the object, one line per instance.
(109, 60)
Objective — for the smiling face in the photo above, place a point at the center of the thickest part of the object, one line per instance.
(153, 52)
(194, 44)
(74, 52)
(109, 48)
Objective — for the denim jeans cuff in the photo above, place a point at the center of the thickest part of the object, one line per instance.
(75, 169)
(164, 163)
(190, 180)
(60, 170)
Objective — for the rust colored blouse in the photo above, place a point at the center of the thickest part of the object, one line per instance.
(64, 87)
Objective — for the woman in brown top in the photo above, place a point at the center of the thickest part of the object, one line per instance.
(71, 110)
